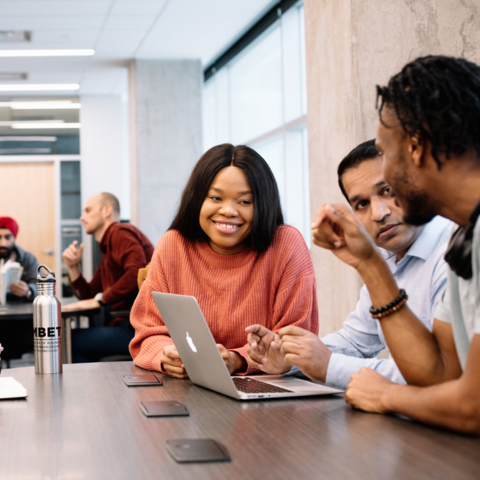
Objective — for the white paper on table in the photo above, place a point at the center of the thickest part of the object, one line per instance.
(10, 388)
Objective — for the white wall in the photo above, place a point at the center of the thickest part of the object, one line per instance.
(104, 153)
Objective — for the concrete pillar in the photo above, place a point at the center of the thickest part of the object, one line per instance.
(352, 45)
(104, 154)
(166, 138)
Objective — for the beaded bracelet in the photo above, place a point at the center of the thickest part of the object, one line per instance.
(392, 307)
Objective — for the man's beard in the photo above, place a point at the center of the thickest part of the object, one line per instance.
(416, 206)
(5, 252)
(417, 210)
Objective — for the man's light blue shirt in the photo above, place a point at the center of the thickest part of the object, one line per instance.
(423, 274)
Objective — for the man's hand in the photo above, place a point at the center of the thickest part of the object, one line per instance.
(336, 228)
(89, 304)
(172, 363)
(366, 391)
(305, 350)
(20, 289)
(233, 360)
(264, 351)
(72, 255)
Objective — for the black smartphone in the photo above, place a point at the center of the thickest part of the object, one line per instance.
(166, 408)
(197, 450)
(142, 380)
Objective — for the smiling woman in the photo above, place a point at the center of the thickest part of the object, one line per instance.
(227, 247)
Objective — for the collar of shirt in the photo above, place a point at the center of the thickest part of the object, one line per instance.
(423, 246)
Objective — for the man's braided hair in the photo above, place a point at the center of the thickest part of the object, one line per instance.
(437, 98)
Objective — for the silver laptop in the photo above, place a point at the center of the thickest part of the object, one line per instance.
(204, 364)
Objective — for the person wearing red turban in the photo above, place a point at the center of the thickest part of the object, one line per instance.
(26, 288)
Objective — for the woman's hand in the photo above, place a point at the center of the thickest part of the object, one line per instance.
(233, 360)
(172, 363)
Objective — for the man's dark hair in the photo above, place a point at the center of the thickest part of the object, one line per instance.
(361, 153)
(438, 99)
(112, 200)
(267, 211)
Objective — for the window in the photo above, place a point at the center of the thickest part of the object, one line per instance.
(259, 98)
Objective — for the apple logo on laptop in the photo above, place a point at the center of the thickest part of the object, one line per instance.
(191, 344)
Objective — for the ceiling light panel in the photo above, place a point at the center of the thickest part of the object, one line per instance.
(85, 52)
(10, 123)
(38, 87)
(55, 8)
(35, 125)
(43, 22)
(41, 105)
(27, 139)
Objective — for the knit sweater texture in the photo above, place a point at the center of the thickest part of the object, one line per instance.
(274, 289)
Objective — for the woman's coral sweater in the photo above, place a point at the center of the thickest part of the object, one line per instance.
(274, 289)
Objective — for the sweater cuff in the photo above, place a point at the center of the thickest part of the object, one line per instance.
(243, 352)
(78, 285)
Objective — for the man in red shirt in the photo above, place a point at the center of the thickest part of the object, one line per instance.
(125, 250)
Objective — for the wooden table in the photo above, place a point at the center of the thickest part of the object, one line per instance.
(86, 424)
(16, 311)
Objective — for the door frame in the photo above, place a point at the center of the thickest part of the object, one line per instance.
(56, 159)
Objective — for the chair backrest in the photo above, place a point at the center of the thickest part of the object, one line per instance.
(142, 275)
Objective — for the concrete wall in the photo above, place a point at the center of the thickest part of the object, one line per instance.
(352, 45)
(166, 138)
(104, 154)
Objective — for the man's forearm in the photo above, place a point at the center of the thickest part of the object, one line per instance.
(444, 405)
(74, 272)
(411, 344)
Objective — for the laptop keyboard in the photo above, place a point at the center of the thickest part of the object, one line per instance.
(249, 385)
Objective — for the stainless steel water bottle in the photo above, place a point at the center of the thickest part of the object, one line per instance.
(47, 325)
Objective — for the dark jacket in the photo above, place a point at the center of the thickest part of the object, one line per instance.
(125, 250)
(30, 264)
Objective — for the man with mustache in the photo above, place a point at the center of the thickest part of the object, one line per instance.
(429, 134)
(26, 288)
(414, 255)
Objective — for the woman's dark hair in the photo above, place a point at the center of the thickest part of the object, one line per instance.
(361, 153)
(438, 99)
(267, 211)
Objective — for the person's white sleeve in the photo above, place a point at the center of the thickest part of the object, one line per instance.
(342, 367)
(442, 310)
(359, 335)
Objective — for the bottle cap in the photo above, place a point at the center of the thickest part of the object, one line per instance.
(45, 277)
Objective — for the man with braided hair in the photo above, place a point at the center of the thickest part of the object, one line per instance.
(429, 135)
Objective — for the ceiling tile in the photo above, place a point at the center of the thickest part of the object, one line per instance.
(55, 77)
(128, 22)
(121, 36)
(115, 51)
(64, 37)
(187, 29)
(140, 7)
